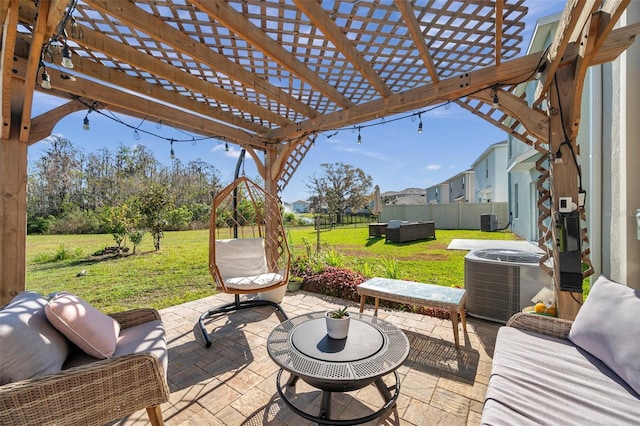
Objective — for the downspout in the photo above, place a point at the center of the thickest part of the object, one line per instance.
(595, 181)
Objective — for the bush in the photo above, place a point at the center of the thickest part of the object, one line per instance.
(76, 221)
(39, 224)
(336, 282)
(179, 219)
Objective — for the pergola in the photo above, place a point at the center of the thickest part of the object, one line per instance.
(270, 75)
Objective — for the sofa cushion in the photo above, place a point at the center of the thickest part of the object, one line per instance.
(254, 282)
(29, 345)
(91, 330)
(148, 337)
(541, 380)
(607, 327)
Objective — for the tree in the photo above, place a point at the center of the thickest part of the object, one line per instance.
(154, 205)
(339, 187)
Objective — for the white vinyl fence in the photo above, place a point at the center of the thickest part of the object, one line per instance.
(447, 216)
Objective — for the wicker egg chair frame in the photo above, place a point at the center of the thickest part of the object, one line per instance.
(248, 239)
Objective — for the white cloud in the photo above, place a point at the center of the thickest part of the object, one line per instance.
(433, 167)
(453, 166)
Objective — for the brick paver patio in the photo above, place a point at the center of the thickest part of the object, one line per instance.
(233, 382)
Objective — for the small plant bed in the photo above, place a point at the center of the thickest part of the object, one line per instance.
(110, 252)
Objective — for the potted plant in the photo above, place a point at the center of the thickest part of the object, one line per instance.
(338, 323)
(294, 283)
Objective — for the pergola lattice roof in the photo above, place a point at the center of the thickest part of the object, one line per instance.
(265, 65)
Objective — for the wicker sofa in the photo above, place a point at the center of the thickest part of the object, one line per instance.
(88, 391)
(410, 231)
(541, 377)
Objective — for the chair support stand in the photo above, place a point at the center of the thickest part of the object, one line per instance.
(236, 306)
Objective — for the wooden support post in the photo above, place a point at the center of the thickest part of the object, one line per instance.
(270, 185)
(564, 172)
(13, 202)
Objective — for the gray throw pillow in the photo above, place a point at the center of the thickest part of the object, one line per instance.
(607, 327)
(29, 345)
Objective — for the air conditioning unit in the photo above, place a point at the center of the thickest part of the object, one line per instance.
(501, 282)
(488, 222)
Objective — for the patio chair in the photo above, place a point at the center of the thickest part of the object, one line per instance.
(248, 251)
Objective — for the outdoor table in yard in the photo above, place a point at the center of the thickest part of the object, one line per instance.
(413, 293)
(377, 229)
(373, 349)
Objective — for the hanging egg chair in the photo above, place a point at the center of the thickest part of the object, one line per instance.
(248, 250)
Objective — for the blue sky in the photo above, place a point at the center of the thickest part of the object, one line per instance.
(393, 153)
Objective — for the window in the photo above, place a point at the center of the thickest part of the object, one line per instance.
(462, 182)
(486, 165)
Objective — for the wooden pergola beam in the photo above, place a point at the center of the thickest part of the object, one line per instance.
(113, 49)
(142, 107)
(498, 31)
(574, 17)
(42, 125)
(132, 15)
(9, 12)
(418, 38)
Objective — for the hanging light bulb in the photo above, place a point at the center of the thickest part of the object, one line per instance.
(66, 57)
(495, 97)
(85, 122)
(172, 152)
(136, 135)
(359, 137)
(420, 123)
(46, 80)
(226, 147)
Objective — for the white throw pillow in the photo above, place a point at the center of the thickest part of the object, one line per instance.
(607, 327)
(91, 330)
(29, 345)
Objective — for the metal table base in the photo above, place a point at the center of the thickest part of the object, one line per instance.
(324, 417)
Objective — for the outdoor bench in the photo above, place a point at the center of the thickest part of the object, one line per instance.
(429, 295)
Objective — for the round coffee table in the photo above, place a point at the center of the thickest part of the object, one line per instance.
(373, 349)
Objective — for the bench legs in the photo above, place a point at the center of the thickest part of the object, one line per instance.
(452, 313)
(376, 306)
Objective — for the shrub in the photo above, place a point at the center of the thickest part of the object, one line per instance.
(391, 268)
(331, 257)
(336, 282)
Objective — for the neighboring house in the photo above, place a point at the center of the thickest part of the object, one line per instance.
(438, 194)
(609, 152)
(408, 196)
(491, 183)
(300, 206)
(462, 187)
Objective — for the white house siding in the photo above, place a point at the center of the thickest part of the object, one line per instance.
(490, 174)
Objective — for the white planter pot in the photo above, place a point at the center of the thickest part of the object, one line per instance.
(337, 328)
(276, 295)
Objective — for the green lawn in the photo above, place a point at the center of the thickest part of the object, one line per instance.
(178, 273)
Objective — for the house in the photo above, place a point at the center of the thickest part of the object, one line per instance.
(490, 172)
(438, 194)
(609, 151)
(462, 187)
(300, 206)
(406, 197)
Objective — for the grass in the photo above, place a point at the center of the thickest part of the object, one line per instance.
(179, 273)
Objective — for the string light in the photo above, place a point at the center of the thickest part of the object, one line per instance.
(46, 80)
(359, 137)
(85, 122)
(172, 152)
(420, 122)
(136, 135)
(66, 57)
(226, 147)
(496, 101)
